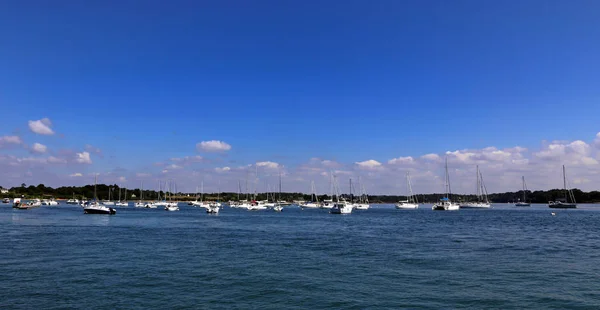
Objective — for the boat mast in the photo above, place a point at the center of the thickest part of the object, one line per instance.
(95, 185)
(523, 178)
(448, 190)
(279, 185)
(351, 198)
(565, 183)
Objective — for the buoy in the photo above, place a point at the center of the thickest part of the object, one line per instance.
(553, 214)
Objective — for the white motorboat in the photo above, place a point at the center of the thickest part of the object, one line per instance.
(73, 201)
(172, 207)
(278, 208)
(341, 208)
(49, 202)
(6, 200)
(327, 204)
(411, 201)
(482, 199)
(17, 204)
(122, 204)
(213, 208)
(445, 204)
(310, 205)
(563, 203)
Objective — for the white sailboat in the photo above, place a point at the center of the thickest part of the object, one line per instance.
(122, 203)
(94, 207)
(445, 204)
(314, 200)
(340, 207)
(523, 203)
(411, 200)
(482, 199)
(109, 202)
(564, 203)
(278, 206)
(363, 200)
(169, 204)
(140, 203)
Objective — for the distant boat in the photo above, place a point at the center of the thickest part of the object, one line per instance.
(340, 207)
(411, 201)
(73, 201)
(523, 203)
(564, 203)
(6, 200)
(278, 207)
(169, 204)
(445, 204)
(122, 203)
(363, 199)
(482, 199)
(34, 203)
(94, 207)
(314, 200)
(140, 203)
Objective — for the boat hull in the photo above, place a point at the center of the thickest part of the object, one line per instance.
(445, 207)
(522, 204)
(407, 206)
(562, 205)
(341, 209)
(476, 206)
(109, 211)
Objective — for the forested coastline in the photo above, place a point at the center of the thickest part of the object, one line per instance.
(66, 192)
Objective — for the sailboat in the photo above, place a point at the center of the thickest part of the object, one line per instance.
(328, 203)
(215, 206)
(411, 201)
(482, 199)
(445, 204)
(340, 207)
(109, 202)
(278, 205)
(94, 207)
(170, 205)
(564, 203)
(363, 199)
(314, 200)
(122, 203)
(140, 203)
(523, 203)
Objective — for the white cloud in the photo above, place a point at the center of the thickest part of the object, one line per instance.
(223, 169)
(56, 160)
(431, 157)
(213, 146)
(41, 126)
(174, 166)
(76, 175)
(92, 149)
(39, 148)
(187, 160)
(268, 164)
(122, 179)
(401, 160)
(83, 158)
(5, 140)
(370, 164)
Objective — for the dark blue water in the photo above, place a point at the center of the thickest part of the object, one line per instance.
(504, 258)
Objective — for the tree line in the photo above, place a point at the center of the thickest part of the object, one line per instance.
(87, 191)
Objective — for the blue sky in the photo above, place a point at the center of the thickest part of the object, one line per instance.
(286, 81)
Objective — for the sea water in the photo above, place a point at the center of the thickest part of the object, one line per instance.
(503, 258)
